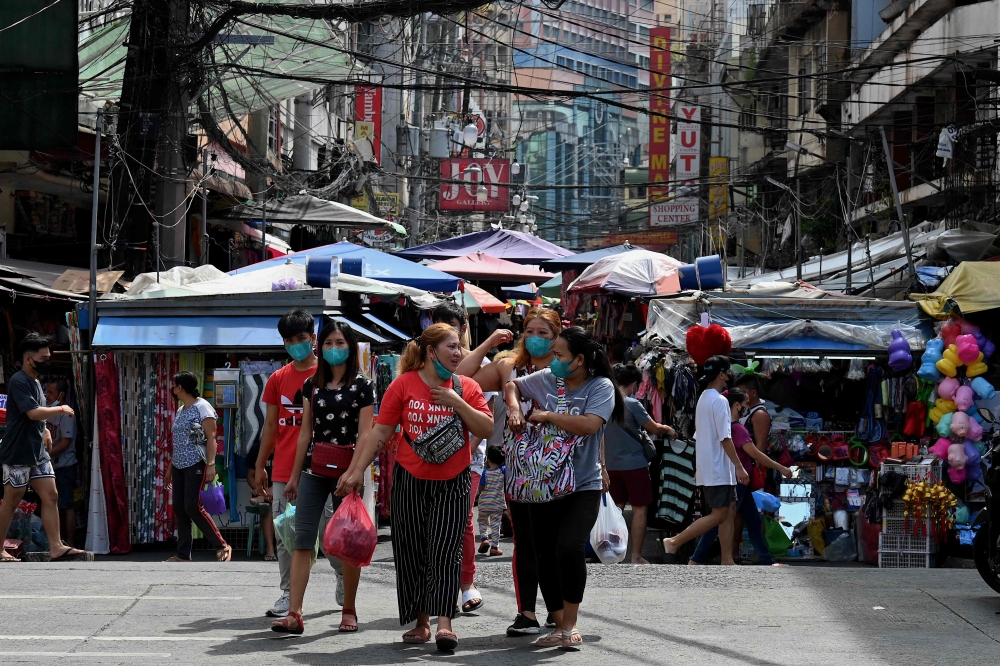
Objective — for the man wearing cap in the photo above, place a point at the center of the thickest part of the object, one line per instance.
(718, 467)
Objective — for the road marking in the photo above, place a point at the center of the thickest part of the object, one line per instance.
(174, 639)
(98, 655)
(878, 607)
(116, 596)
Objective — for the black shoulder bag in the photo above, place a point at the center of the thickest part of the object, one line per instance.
(442, 441)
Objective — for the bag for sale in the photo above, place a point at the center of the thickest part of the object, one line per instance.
(213, 497)
(609, 536)
(351, 535)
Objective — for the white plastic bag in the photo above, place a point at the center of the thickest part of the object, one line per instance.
(609, 537)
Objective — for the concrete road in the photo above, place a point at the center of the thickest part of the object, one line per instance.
(128, 611)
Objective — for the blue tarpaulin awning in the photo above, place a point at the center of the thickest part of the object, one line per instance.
(223, 333)
(377, 265)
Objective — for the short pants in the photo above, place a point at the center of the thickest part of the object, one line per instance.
(18, 476)
(309, 504)
(65, 485)
(719, 497)
(631, 485)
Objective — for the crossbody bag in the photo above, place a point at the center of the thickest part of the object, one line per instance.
(329, 460)
(442, 441)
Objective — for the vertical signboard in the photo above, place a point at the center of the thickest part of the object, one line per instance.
(368, 117)
(718, 192)
(688, 144)
(659, 110)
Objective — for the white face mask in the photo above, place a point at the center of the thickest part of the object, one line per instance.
(54, 403)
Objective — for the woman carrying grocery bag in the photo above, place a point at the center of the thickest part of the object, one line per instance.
(337, 408)
(555, 467)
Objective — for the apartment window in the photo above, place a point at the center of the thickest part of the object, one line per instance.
(647, 5)
(805, 85)
(560, 61)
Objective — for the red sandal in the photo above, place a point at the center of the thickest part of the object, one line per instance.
(284, 625)
(348, 628)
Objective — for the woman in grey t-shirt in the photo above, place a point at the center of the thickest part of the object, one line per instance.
(560, 528)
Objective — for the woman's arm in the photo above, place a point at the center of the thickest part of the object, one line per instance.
(515, 417)
(582, 424)
(478, 423)
(764, 461)
(472, 364)
(364, 454)
(742, 477)
(211, 432)
(654, 428)
(301, 446)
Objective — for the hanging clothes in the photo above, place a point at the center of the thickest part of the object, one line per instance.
(112, 466)
(253, 378)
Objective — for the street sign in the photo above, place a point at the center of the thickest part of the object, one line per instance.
(674, 213)
(494, 173)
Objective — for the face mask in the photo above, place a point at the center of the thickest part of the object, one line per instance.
(561, 369)
(443, 372)
(537, 347)
(54, 403)
(744, 411)
(41, 367)
(300, 351)
(336, 356)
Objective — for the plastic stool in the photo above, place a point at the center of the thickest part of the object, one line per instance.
(255, 527)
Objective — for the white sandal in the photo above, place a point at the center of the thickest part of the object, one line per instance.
(472, 600)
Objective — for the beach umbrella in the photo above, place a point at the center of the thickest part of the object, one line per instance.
(635, 273)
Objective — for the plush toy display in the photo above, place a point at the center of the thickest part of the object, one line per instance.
(940, 448)
(944, 425)
(964, 398)
(705, 342)
(975, 430)
(983, 389)
(973, 413)
(973, 471)
(932, 354)
(941, 407)
(946, 389)
(950, 362)
(900, 355)
(967, 348)
(950, 332)
(956, 462)
(977, 367)
(986, 346)
(960, 424)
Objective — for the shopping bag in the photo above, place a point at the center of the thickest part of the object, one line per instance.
(350, 535)
(284, 527)
(777, 541)
(766, 501)
(213, 497)
(609, 536)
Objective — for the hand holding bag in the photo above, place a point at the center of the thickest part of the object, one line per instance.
(350, 535)
(609, 536)
(213, 497)
(442, 441)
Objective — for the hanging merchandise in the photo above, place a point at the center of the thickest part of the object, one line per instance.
(112, 468)
(253, 379)
(704, 342)
(871, 427)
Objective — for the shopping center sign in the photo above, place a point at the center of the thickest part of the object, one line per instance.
(674, 213)
(460, 184)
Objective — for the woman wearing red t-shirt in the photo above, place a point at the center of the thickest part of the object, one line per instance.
(430, 501)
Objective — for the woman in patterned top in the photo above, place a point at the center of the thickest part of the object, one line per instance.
(337, 408)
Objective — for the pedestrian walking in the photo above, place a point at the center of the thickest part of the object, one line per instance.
(628, 468)
(438, 411)
(337, 408)
(192, 466)
(746, 508)
(532, 352)
(280, 434)
(577, 396)
(491, 502)
(24, 451)
(718, 467)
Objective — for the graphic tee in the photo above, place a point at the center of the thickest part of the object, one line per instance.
(712, 425)
(337, 412)
(407, 403)
(284, 390)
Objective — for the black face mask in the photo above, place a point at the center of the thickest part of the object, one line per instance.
(42, 367)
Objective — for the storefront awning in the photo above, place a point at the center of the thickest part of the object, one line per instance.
(394, 331)
(190, 333)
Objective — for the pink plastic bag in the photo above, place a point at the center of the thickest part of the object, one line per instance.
(350, 535)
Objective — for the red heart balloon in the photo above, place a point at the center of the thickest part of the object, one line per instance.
(703, 343)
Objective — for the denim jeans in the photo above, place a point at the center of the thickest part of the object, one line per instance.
(747, 508)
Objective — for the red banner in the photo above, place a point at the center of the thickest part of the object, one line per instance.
(659, 103)
(493, 173)
(368, 117)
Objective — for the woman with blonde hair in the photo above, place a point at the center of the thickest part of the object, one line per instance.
(532, 353)
(437, 411)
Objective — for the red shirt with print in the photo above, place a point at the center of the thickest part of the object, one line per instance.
(407, 403)
(284, 390)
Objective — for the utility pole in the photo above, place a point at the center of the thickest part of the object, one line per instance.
(92, 307)
(203, 259)
(849, 217)
(798, 225)
(899, 206)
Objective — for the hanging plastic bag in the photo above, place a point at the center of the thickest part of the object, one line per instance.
(213, 497)
(609, 536)
(777, 541)
(815, 530)
(284, 527)
(840, 549)
(369, 491)
(766, 501)
(351, 535)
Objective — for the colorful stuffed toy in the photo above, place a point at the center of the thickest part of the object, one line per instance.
(946, 389)
(967, 349)
(705, 342)
(975, 430)
(960, 424)
(932, 354)
(950, 362)
(956, 463)
(950, 331)
(900, 356)
(940, 448)
(973, 470)
(977, 367)
(943, 427)
(983, 389)
(941, 407)
(973, 413)
(985, 345)
(964, 398)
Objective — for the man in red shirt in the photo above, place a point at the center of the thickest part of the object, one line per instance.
(283, 397)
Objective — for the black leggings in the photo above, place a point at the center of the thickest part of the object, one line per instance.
(560, 529)
(188, 509)
(523, 561)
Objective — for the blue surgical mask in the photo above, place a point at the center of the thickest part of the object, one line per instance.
(537, 347)
(300, 351)
(443, 372)
(336, 355)
(560, 369)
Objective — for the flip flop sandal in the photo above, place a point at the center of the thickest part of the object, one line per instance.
(224, 554)
(271, 557)
(348, 628)
(572, 640)
(417, 636)
(9, 558)
(668, 558)
(284, 625)
(472, 600)
(445, 640)
(74, 555)
(555, 639)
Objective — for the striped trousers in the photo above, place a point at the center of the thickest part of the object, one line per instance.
(428, 525)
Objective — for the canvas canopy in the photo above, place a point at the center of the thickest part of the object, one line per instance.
(481, 266)
(513, 246)
(586, 258)
(973, 286)
(307, 209)
(635, 273)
